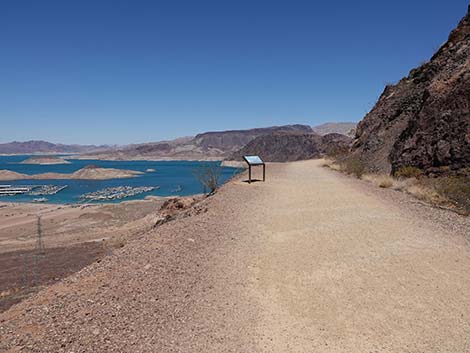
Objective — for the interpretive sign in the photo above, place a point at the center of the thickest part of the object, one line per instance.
(254, 161)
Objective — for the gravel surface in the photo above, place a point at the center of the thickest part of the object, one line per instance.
(308, 261)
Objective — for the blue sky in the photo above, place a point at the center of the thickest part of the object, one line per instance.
(138, 71)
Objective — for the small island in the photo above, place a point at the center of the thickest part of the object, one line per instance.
(45, 160)
(90, 172)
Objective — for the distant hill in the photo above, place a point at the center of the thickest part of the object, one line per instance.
(86, 173)
(213, 145)
(347, 129)
(424, 120)
(292, 146)
(235, 139)
(31, 147)
(209, 145)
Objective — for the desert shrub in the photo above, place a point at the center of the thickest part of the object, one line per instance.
(352, 165)
(425, 193)
(455, 189)
(209, 176)
(389, 182)
(386, 182)
(408, 172)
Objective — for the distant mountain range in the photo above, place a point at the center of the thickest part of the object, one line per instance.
(214, 145)
(347, 129)
(32, 147)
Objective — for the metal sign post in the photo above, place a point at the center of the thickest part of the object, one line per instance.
(254, 161)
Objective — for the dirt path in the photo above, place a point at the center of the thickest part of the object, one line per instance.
(309, 261)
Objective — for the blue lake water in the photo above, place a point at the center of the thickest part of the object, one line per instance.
(175, 178)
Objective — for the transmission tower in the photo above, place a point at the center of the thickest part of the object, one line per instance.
(39, 241)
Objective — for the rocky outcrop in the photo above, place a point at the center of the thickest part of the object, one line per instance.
(424, 120)
(335, 144)
(288, 147)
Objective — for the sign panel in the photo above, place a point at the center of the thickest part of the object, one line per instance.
(253, 160)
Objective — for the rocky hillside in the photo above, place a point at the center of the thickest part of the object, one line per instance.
(29, 147)
(293, 146)
(424, 120)
(236, 139)
(208, 145)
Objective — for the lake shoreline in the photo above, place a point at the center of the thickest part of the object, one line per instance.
(167, 178)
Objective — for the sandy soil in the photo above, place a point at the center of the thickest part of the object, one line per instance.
(73, 237)
(64, 225)
(309, 261)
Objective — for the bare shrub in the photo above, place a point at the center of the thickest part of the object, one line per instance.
(387, 181)
(408, 172)
(209, 176)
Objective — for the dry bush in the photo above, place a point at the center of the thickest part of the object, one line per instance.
(408, 172)
(426, 193)
(388, 182)
(455, 189)
(209, 176)
(383, 181)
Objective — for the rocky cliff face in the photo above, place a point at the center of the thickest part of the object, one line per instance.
(424, 120)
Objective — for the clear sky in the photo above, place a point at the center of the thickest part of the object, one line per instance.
(91, 71)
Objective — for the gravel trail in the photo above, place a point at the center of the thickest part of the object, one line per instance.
(309, 261)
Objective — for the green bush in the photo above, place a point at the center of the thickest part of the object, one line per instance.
(408, 172)
(352, 165)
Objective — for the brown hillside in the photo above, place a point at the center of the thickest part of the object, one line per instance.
(288, 147)
(424, 120)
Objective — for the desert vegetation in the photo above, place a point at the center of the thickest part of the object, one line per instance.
(208, 176)
(447, 190)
